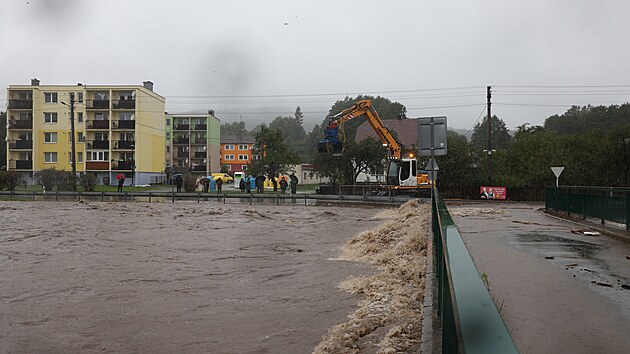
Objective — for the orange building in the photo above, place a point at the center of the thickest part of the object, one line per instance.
(236, 151)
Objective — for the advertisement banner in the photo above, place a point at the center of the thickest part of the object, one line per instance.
(492, 192)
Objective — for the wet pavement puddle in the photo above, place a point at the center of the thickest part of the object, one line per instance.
(581, 260)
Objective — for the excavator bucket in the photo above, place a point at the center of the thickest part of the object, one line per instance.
(330, 144)
(331, 148)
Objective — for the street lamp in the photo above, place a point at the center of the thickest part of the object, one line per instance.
(489, 152)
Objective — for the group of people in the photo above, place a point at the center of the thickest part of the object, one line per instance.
(246, 184)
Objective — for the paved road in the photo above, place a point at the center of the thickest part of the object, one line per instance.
(558, 291)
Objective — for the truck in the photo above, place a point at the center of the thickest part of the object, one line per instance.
(402, 171)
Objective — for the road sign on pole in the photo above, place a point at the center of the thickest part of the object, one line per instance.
(557, 171)
(432, 136)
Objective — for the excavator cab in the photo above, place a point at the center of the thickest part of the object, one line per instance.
(331, 144)
(402, 173)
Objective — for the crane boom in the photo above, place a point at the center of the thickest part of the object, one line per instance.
(332, 144)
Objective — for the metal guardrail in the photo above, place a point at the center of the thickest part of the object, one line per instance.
(470, 321)
(606, 204)
(268, 197)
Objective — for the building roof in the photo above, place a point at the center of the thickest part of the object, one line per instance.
(245, 138)
(405, 131)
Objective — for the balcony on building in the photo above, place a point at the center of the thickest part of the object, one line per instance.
(124, 145)
(200, 154)
(198, 168)
(97, 165)
(124, 103)
(181, 141)
(124, 124)
(97, 144)
(201, 126)
(97, 104)
(21, 123)
(20, 164)
(21, 145)
(97, 124)
(180, 126)
(199, 141)
(20, 103)
(122, 165)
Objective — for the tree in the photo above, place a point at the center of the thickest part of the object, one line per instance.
(293, 133)
(276, 156)
(234, 128)
(46, 178)
(620, 141)
(299, 117)
(365, 156)
(13, 179)
(88, 181)
(455, 168)
(500, 136)
(583, 119)
(3, 136)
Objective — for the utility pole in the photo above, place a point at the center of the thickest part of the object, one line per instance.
(74, 136)
(489, 135)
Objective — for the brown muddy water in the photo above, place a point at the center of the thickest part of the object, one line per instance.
(209, 278)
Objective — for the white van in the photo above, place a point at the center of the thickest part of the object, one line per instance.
(237, 178)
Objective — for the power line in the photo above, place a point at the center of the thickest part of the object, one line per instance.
(477, 120)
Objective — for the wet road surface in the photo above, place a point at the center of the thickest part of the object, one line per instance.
(558, 291)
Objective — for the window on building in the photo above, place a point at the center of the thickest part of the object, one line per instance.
(168, 122)
(98, 156)
(80, 97)
(243, 157)
(229, 157)
(243, 146)
(244, 167)
(229, 167)
(101, 136)
(80, 117)
(50, 117)
(80, 157)
(100, 116)
(168, 150)
(50, 97)
(255, 157)
(50, 137)
(126, 116)
(127, 136)
(228, 147)
(80, 137)
(50, 157)
(168, 135)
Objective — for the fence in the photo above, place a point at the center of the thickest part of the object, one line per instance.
(470, 321)
(606, 204)
(269, 197)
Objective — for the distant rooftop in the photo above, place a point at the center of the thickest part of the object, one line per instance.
(406, 131)
(244, 138)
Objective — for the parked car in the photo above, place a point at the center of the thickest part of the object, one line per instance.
(224, 176)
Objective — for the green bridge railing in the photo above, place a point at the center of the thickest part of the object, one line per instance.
(606, 204)
(470, 321)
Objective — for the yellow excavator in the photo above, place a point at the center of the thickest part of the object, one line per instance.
(401, 172)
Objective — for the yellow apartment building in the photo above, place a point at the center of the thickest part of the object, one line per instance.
(119, 130)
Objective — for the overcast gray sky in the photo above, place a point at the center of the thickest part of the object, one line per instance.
(254, 60)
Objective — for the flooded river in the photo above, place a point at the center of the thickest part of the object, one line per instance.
(177, 278)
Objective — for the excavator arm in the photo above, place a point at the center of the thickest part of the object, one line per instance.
(334, 139)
